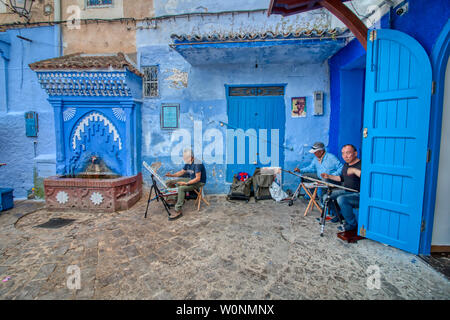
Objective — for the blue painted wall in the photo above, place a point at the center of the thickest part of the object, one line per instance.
(200, 89)
(346, 98)
(26, 156)
(203, 99)
(198, 83)
(352, 108)
(423, 21)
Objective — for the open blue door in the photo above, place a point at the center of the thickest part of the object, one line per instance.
(395, 136)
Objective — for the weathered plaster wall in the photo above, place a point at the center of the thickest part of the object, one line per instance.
(138, 9)
(24, 155)
(37, 13)
(167, 7)
(256, 22)
(365, 9)
(107, 12)
(200, 91)
(104, 37)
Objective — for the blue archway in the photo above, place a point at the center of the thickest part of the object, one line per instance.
(95, 134)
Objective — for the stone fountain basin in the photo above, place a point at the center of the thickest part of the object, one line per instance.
(92, 193)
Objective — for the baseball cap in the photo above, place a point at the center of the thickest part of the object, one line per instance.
(317, 147)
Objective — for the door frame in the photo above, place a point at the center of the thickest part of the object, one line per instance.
(439, 58)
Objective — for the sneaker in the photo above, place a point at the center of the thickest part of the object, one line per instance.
(178, 214)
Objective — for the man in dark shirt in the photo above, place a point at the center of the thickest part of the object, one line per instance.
(195, 174)
(351, 176)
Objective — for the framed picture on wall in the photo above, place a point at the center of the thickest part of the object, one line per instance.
(170, 114)
(298, 107)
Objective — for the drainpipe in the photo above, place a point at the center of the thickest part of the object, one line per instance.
(57, 17)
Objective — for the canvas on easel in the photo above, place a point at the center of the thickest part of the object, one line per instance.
(153, 172)
(159, 195)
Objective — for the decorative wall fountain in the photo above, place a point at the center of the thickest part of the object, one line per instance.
(96, 101)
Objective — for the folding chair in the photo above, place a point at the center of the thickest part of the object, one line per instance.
(200, 198)
(312, 197)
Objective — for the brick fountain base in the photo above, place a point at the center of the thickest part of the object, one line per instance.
(92, 195)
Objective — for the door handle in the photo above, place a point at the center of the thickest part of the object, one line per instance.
(365, 132)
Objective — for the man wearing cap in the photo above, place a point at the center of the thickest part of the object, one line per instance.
(324, 162)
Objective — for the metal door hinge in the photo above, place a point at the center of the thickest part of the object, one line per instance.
(433, 87)
(373, 35)
(362, 231)
(365, 132)
(422, 226)
(428, 155)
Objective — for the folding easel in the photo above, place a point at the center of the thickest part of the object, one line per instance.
(159, 195)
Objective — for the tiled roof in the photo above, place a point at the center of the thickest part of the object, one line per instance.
(269, 35)
(81, 61)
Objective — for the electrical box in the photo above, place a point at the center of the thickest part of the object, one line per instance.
(6, 199)
(318, 103)
(31, 124)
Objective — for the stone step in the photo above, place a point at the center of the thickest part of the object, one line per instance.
(125, 203)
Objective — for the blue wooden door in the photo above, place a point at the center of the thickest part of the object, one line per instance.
(395, 135)
(252, 111)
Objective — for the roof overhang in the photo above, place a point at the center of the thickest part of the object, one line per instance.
(260, 49)
(85, 62)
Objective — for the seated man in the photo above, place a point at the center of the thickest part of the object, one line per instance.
(351, 176)
(196, 177)
(324, 162)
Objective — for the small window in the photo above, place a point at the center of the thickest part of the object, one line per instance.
(170, 114)
(150, 81)
(99, 3)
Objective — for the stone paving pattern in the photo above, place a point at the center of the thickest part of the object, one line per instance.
(263, 250)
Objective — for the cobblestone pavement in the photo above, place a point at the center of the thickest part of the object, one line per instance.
(263, 250)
